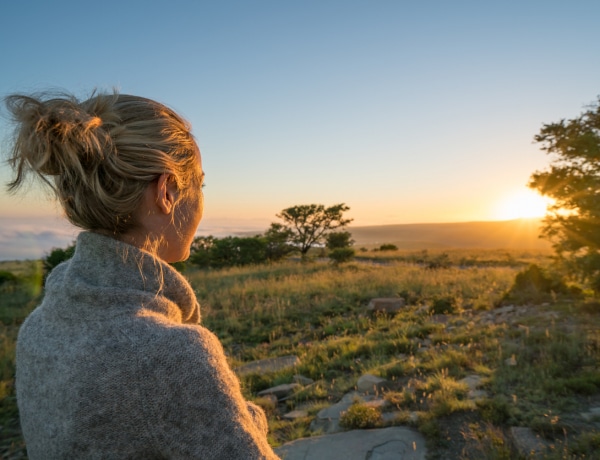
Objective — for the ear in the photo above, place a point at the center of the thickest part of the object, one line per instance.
(166, 193)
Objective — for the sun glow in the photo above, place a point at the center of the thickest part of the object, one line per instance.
(522, 204)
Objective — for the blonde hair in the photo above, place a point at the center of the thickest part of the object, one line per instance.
(100, 155)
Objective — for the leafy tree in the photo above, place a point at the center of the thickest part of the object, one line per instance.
(208, 251)
(573, 181)
(57, 256)
(339, 240)
(277, 238)
(200, 251)
(339, 245)
(310, 223)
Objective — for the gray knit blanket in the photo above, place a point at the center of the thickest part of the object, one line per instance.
(114, 365)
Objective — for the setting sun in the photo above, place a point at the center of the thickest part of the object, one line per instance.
(522, 204)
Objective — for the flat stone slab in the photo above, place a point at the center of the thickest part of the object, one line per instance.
(280, 391)
(387, 305)
(527, 442)
(372, 384)
(268, 365)
(393, 443)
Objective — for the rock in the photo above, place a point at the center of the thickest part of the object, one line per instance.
(593, 415)
(387, 305)
(293, 415)
(423, 310)
(393, 443)
(504, 310)
(371, 384)
(328, 419)
(477, 394)
(302, 380)
(527, 442)
(440, 319)
(473, 381)
(268, 365)
(272, 398)
(280, 391)
(378, 403)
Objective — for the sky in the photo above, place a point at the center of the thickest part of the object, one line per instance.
(408, 112)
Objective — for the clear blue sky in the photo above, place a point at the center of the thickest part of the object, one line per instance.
(406, 111)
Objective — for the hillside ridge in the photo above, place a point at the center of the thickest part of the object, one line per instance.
(509, 234)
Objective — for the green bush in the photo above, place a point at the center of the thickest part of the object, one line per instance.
(7, 277)
(441, 261)
(231, 251)
(341, 255)
(496, 410)
(361, 416)
(444, 305)
(57, 256)
(535, 285)
(388, 247)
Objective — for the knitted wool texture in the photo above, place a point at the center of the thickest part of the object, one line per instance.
(113, 365)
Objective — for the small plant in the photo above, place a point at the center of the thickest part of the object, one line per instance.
(486, 441)
(444, 305)
(535, 285)
(341, 255)
(586, 444)
(267, 404)
(495, 411)
(388, 247)
(441, 261)
(7, 277)
(360, 416)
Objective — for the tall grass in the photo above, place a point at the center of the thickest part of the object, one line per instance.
(17, 299)
(319, 312)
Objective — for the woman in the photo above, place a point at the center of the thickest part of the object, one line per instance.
(113, 363)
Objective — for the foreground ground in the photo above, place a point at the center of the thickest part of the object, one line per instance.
(536, 354)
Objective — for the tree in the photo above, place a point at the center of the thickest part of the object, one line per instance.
(208, 251)
(200, 251)
(57, 256)
(339, 240)
(310, 223)
(277, 238)
(339, 245)
(573, 181)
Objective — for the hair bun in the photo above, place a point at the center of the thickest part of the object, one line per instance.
(57, 135)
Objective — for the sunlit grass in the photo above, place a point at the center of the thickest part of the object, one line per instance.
(319, 313)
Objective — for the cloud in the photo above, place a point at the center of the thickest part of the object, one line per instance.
(32, 238)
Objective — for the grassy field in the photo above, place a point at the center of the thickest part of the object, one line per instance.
(539, 365)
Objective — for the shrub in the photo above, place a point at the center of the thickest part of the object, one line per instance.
(359, 415)
(338, 240)
(441, 261)
(7, 277)
(535, 285)
(207, 251)
(388, 247)
(496, 410)
(57, 256)
(341, 255)
(444, 305)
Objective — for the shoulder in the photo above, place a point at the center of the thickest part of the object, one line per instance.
(184, 345)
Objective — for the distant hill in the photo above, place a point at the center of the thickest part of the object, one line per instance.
(510, 234)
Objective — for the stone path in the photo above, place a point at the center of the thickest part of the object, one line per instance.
(393, 443)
